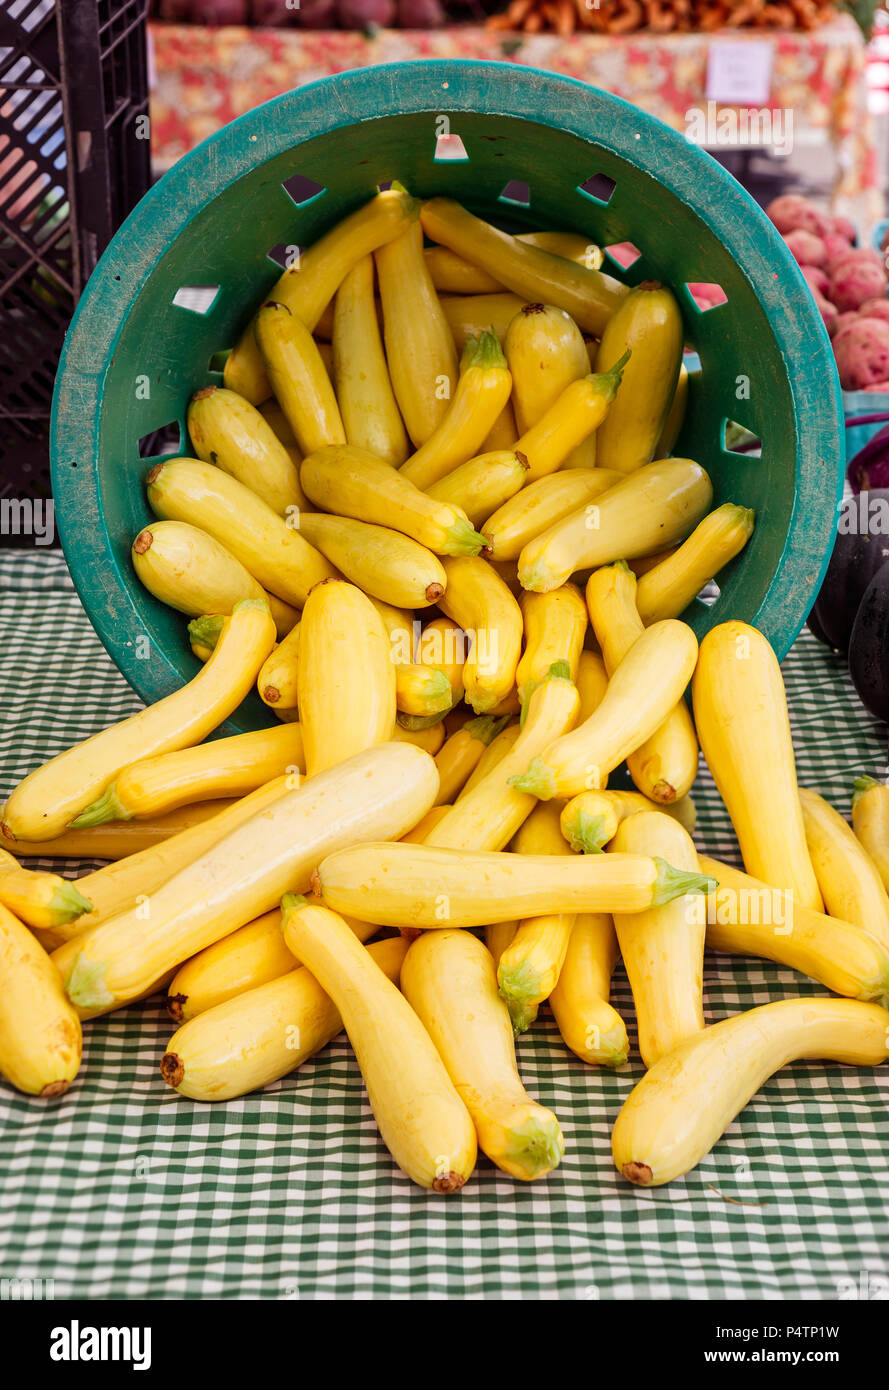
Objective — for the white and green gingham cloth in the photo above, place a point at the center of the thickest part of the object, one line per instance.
(122, 1189)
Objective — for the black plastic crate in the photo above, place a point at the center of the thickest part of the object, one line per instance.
(74, 159)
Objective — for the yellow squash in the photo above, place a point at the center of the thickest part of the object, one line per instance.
(299, 378)
(688, 1099)
(750, 918)
(740, 712)
(546, 352)
(870, 821)
(848, 879)
(666, 590)
(40, 1038)
(189, 570)
(482, 483)
(383, 790)
(382, 562)
(489, 814)
(493, 755)
(665, 766)
(422, 1119)
(437, 670)
(658, 505)
(352, 482)
(477, 599)
(118, 841)
(553, 439)
(346, 680)
(309, 284)
(452, 275)
(643, 689)
(555, 626)
(370, 414)
(419, 343)
(570, 245)
(498, 936)
(275, 553)
(530, 963)
(540, 504)
(250, 957)
(461, 752)
(589, 1025)
(51, 797)
(129, 882)
(256, 1037)
(227, 430)
(277, 678)
(402, 885)
(662, 948)
(675, 417)
(503, 433)
(592, 682)
(469, 316)
(429, 738)
(482, 391)
(225, 767)
(587, 295)
(449, 981)
(590, 820)
(648, 324)
(41, 900)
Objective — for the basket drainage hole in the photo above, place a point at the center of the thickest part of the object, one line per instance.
(517, 193)
(737, 439)
(450, 147)
(600, 188)
(710, 593)
(218, 360)
(705, 296)
(197, 299)
(285, 255)
(623, 253)
(161, 442)
(302, 190)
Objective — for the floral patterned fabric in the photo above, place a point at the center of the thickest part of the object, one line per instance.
(207, 77)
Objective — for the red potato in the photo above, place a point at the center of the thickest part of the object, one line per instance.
(791, 212)
(882, 386)
(361, 14)
(817, 278)
(844, 319)
(854, 282)
(862, 353)
(845, 228)
(836, 246)
(827, 311)
(805, 247)
(875, 309)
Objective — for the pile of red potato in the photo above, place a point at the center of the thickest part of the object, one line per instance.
(849, 284)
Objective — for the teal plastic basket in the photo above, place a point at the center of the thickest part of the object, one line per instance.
(541, 152)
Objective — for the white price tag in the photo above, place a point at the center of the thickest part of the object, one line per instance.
(739, 72)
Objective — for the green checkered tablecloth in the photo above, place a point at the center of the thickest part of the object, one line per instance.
(124, 1190)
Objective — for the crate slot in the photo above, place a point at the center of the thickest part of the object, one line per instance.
(623, 254)
(705, 295)
(163, 442)
(517, 193)
(302, 190)
(197, 299)
(449, 147)
(599, 187)
(282, 254)
(738, 439)
(218, 360)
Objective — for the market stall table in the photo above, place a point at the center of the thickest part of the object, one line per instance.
(122, 1189)
(206, 77)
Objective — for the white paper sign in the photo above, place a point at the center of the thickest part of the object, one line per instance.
(739, 72)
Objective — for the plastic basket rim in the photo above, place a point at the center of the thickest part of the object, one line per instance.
(344, 99)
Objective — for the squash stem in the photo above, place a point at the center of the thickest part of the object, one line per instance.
(106, 808)
(537, 781)
(676, 883)
(67, 904)
(589, 834)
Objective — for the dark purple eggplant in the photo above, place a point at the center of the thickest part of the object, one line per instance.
(869, 469)
(860, 550)
(869, 647)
